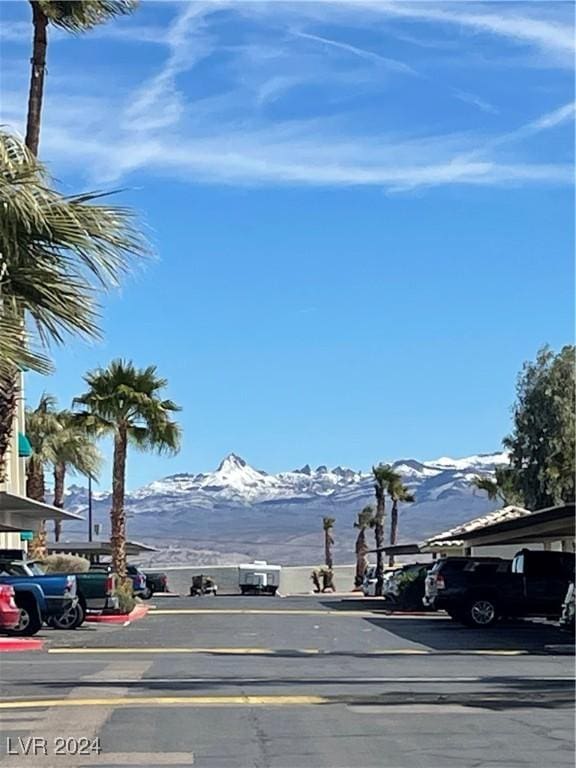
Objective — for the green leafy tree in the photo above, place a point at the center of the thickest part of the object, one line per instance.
(126, 403)
(542, 444)
(56, 254)
(365, 520)
(328, 527)
(383, 474)
(73, 451)
(75, 16)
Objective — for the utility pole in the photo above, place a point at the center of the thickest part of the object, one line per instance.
(89, 507)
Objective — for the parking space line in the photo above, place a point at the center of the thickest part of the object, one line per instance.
(286, 612)
(198, 701)
(284, 651)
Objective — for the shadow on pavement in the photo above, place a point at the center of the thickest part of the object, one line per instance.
(513, 693)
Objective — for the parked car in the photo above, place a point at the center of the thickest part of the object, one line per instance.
(95, 590)
(155, 582)
(39, 598)
(369, 583)
(479, 591)
(138, 578)
(9, 611)
(567, 617)
(404, 587)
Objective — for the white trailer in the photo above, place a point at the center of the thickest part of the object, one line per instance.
(259, 578)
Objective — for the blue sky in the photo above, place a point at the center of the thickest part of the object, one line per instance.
(362, 213)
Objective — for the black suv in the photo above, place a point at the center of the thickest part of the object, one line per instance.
(479, 591)
(450, 582)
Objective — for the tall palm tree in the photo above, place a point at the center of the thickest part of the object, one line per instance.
(74, 16)
(126, 402)
(382, 474)
(365, 521)
(57, 253)
(328, 525)
(500, 488)
(398, 493)
(74, 450)
(42, 427)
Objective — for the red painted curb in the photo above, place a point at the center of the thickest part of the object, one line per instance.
(13, 644)
(119, 618)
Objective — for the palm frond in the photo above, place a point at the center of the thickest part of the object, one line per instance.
(78, 16)
(58, 252)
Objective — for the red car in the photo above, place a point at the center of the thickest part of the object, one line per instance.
(9, 611)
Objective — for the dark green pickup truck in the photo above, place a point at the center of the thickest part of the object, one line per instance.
(95, 589)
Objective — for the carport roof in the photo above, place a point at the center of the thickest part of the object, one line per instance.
(551, 524)
(97, 548)
(461, 532)
(18, 513)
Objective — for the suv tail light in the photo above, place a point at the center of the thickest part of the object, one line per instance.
(440, 583)
(110, 584)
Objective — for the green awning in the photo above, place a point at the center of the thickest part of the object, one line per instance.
(24, 447)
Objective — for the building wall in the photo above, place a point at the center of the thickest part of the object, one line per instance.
(294, 580)
(15, 472)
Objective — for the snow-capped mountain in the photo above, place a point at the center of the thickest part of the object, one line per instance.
(238, 508)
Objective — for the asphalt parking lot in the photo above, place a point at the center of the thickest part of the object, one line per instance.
(291, 683)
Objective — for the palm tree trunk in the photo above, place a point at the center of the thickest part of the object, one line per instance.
(8, 404)
(379, 536)
(117, 515)
(37, 73)
(59, 479)
(35, 489)
(328, 541)
(360, 558)
(393, 528)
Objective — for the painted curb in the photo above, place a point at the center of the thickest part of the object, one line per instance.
(119, 618)
(15, 644)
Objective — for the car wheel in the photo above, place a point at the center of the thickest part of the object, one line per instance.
(70, 619)
(481, 612)
(29, 622)
(147, 594)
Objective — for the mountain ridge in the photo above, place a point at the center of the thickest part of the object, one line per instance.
(281, 513)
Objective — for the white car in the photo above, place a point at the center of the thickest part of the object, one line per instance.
(369, 583)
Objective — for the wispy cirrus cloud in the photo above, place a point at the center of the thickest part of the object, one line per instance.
(269, 110)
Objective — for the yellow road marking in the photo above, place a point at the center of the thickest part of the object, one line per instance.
(195, 701)
(303, 651)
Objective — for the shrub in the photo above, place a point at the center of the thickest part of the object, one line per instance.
(65, 564)
(126, 599)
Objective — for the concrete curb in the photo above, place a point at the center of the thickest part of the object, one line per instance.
(119, 618)
(15, 644)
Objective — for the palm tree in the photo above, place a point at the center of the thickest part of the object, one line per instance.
(487, 484)
(383, 474)
(74, 450)
(328, 525)
(501, 488)
(42, 426)
(125, 402)
(74, 16)
(365, 520)
(56, 252)
(398, 493)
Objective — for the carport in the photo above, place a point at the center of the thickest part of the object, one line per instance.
(94, 550)
(552, 527)
(18, 513)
